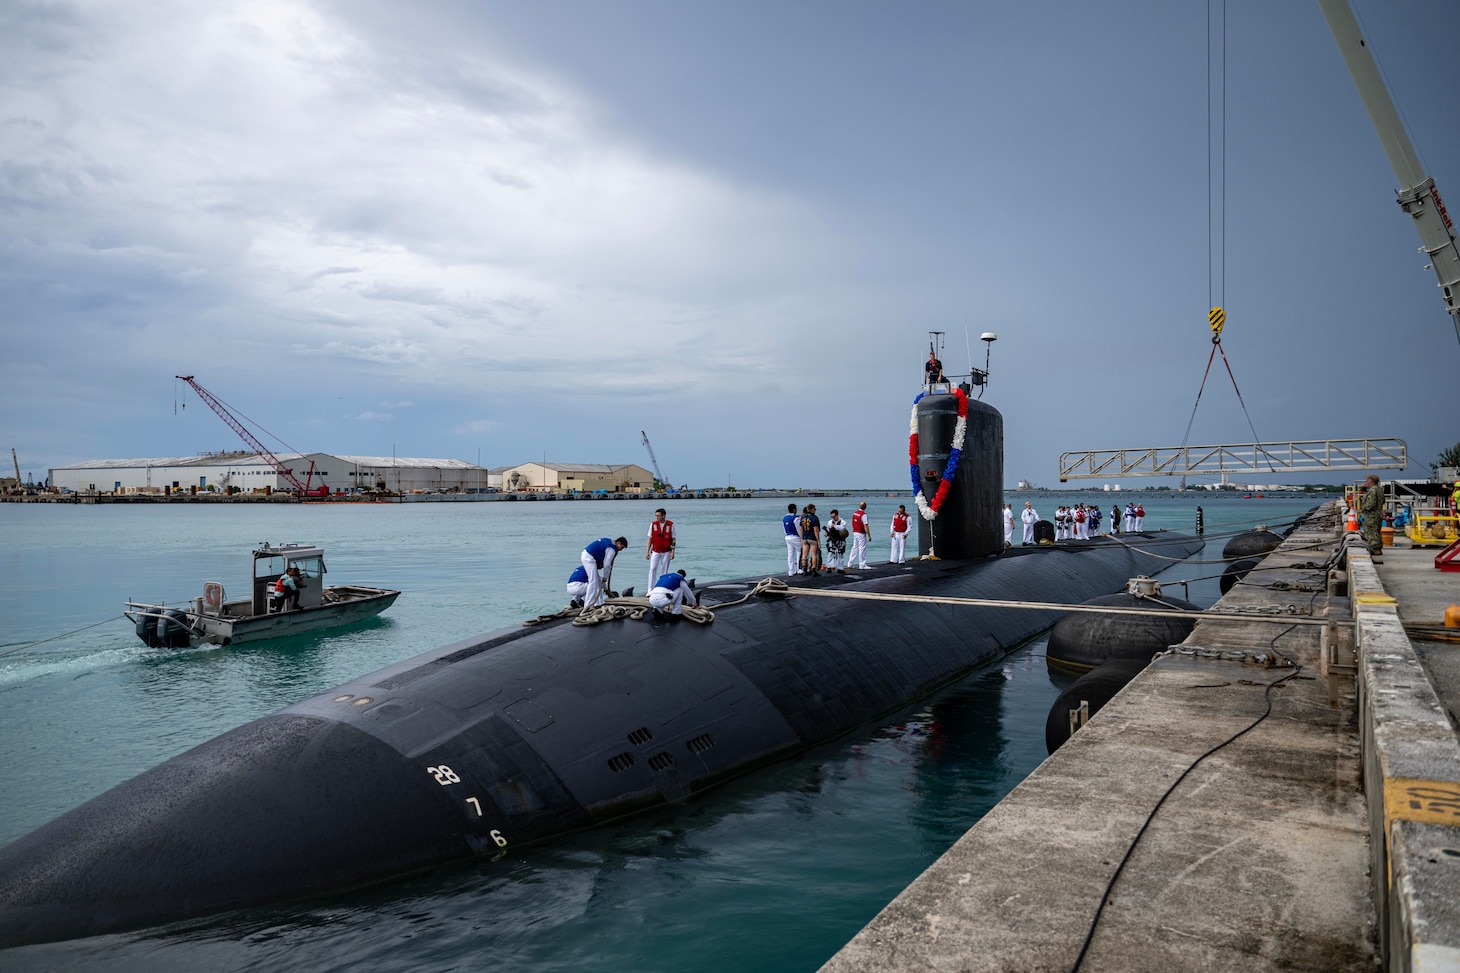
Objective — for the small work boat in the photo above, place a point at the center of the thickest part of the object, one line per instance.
(213, 619)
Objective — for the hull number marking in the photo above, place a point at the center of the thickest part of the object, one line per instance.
(444, 775)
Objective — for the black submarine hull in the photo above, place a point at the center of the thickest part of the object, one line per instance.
(516, 736)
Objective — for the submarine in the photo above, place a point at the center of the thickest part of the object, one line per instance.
(496, 742)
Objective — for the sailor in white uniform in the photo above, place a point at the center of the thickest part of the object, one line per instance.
(1008, 525)
(1029, 517)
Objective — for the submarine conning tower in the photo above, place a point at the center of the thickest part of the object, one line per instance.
(959, 481)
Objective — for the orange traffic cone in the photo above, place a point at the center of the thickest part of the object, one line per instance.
(1353, 520)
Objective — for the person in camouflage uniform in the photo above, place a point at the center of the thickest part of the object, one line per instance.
(1372, 508)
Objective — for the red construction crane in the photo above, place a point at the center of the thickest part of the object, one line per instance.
(253, 442)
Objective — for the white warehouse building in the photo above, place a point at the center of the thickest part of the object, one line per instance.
(252, 473)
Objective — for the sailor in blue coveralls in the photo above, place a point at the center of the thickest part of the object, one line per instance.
(597, 560)
(670, 593)
(577, 587)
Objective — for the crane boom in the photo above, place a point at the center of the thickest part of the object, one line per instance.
(16, 460)
(658, 473)
(248, 437)
(1417, 194)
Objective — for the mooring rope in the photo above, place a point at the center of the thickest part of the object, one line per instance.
(17, 648)
(1286, 614)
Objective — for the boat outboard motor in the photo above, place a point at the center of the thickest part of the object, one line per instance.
(173, 630)
(147, 629)
(969, 521)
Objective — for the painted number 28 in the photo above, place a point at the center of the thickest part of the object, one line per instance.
(444, 775)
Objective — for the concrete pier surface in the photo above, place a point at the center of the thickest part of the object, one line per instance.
(1227, 810)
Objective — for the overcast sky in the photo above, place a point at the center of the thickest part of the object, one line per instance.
(518, 230)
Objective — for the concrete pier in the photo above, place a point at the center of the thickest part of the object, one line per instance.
(1277, 793)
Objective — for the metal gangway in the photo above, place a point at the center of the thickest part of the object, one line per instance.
(1230, 458)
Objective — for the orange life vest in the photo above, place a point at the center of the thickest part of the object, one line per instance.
(661, 536)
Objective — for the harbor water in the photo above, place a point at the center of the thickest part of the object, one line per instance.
(776, 870)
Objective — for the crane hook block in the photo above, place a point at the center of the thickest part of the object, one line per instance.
(1216, 317)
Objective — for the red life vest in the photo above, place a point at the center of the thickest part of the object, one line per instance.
(661, 536)
(859, 521)
(1079, 516)
(279, 585)
(899, 522)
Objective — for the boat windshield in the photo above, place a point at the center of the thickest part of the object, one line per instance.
(268, 567)
(312, 568)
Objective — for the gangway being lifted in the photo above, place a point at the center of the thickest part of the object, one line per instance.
(258, 447)
(1293, 457)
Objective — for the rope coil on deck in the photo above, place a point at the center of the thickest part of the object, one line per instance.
(633, 609)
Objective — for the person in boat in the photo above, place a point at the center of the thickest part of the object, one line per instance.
(286, 590)
(597, 560)
(932, 370)
(671, 593)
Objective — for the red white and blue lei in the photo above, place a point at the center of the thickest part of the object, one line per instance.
(930, 510)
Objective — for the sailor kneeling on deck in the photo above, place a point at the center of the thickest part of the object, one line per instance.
(670, 593)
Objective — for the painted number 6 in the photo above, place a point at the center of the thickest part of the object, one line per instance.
(444, 775)
(497, 837)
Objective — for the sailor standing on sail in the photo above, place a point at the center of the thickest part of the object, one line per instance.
(1008, 525)
(597, 560)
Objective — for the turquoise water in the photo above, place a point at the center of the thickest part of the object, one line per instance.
(774, 871)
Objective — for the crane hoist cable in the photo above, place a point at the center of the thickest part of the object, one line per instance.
(1217, 221)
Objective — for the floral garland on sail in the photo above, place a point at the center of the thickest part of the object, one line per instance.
(950, 470)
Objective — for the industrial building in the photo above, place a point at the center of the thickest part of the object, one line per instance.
(251, 473)
(577, 478)
(247, 472)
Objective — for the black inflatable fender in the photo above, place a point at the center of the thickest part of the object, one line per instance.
(1236, 571)
(1096, 687)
